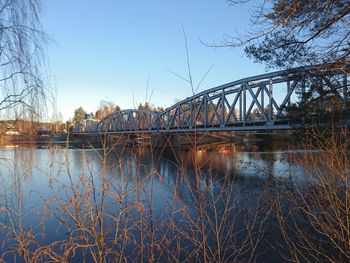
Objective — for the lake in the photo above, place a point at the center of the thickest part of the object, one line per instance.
(144, 204)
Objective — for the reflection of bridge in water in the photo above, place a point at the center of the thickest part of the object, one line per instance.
(249, 104)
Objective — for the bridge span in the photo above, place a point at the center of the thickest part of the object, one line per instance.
(260, 102)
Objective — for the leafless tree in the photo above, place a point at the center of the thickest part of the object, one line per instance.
(22, 59)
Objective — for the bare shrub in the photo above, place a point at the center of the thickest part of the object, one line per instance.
(314, 217)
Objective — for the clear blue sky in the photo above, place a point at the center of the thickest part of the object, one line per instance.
(107, 49)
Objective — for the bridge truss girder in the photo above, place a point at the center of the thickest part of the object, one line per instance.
(129, 120)
(255, 103)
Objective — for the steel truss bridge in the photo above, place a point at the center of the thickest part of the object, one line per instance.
(249, 104)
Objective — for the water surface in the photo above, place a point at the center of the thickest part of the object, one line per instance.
(44, 191)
